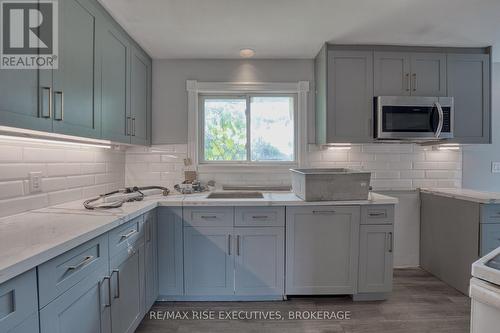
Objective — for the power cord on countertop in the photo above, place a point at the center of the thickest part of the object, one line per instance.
(118, 203)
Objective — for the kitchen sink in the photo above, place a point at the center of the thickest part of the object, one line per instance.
(235, 195)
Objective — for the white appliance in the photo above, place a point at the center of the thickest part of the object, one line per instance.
(485, 294)
(413, 118)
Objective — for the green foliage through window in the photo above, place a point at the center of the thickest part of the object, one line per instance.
(271, 134)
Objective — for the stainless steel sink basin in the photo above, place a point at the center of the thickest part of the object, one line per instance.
(235, 195)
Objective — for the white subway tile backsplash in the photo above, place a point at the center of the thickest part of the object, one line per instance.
(68, 173)
(394, 166)
(11, 189)
(11, 154)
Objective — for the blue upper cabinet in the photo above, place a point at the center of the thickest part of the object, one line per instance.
(115, 83)
(140, 97)
(101, 87)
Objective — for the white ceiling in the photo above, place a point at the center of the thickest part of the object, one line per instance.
(297, 28)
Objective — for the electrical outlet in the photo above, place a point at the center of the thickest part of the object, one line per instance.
(495, 167)
(35, 181)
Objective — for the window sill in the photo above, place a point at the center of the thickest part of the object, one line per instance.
(250, 168)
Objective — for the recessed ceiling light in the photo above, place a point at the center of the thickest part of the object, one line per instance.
(247, 53)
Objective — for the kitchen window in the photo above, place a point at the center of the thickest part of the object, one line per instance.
(248, 129)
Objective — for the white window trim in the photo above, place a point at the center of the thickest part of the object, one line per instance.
(195, 88)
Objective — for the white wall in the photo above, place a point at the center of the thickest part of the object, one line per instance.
(68, 173)
(170, 95)
(477, 158)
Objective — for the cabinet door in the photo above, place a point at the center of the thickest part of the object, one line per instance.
(115, 83)
(82, 309)
(375, 258)
(391, 73)
(208, 261)
(469, 85)
(140, 98)
(151, 259)
(18, 300)
(428, 74)
(322, 250)
(170, 252)
(127, 306)
(75, 83)
(29, 325)
(19, 105)
(259, 260)
(350, 96)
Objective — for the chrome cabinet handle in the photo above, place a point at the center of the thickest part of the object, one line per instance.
(117, 271)
(323, 212)
(129, 126)
(414, 76)
(128, 234)
(376, 214)
(260, 217)
(407, 75)
(61, 105)
(46, 91)
(441, 119)
(390, 242)
(107, 305)
(209, 216)
(133, 126)
(149, 232)
(82, 263)
(229, 244)
(238, 245)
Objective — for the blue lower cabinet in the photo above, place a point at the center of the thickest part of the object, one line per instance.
(84, 308)
(170, 252)
(127, 289)
(30, 325)
(151, 259)
(259, 261)
(208, 261)
(19, 303)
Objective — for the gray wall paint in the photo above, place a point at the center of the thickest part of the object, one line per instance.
(477, 158)
(170, 96)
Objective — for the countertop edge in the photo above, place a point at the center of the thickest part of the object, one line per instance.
(116, 219)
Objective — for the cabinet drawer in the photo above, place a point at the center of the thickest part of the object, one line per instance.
(490, 238)
(208, 216)
(490, 213)
(125, 235)
(18, 300)
(259, 216)
(61, 273)
(377, 214)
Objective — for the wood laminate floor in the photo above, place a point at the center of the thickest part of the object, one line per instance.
(419, 303)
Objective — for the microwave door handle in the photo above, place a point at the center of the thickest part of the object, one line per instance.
(441, 120)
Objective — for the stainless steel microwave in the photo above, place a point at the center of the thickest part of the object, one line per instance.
(413, 118)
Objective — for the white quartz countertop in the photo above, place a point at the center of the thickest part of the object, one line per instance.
(32, 238)
(465, 194)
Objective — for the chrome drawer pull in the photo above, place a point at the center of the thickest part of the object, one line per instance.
(128, 234)
(376, 214)
(238, 245)
(81, 263)
(229, 244)
(260, 217)
(208, 216)
(325, 212)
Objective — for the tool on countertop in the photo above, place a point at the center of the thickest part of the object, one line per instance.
(93, 204)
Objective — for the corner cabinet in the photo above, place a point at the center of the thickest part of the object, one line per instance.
(101, 88)
(348, 77)
(322, 250)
